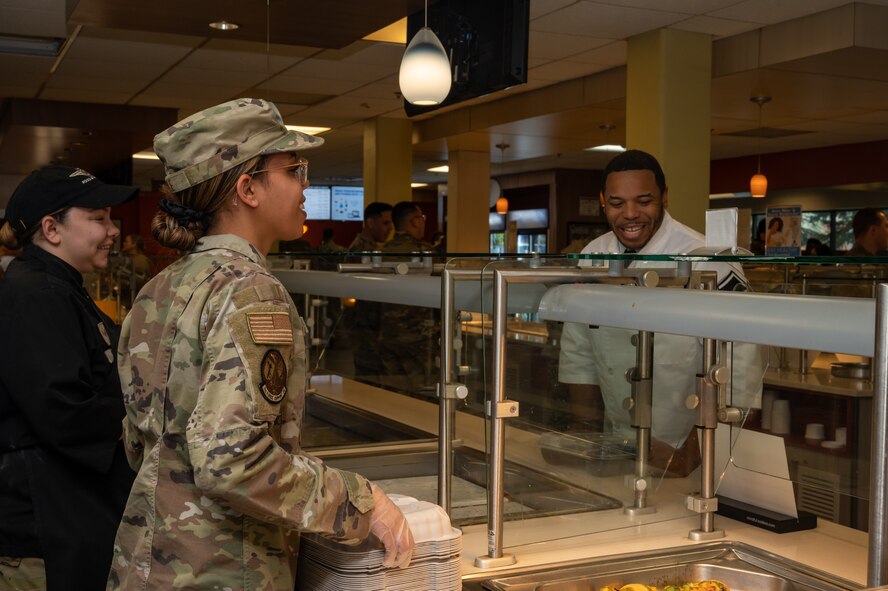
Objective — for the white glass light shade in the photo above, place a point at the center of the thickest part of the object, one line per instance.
(425, 70)
(758, 185)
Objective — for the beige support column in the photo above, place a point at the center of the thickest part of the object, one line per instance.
(468, 200)
(668, 114)
(388, 160)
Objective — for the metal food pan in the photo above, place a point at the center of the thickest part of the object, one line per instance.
(740, 566)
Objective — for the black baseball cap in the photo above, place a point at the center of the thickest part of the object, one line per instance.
(51, 188)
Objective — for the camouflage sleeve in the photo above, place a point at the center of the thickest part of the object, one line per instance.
(243, 435)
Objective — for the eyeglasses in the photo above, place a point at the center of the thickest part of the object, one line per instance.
(300, 171)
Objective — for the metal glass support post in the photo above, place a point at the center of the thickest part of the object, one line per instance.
(448, 393)
(640, 405)
(877, 563)
(706, 400)
(498, 409)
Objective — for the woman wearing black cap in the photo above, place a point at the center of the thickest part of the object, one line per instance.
(64, 478)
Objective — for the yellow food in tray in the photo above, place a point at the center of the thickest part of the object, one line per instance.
(701, 586)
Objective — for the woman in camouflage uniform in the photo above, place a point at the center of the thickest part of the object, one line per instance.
(213, 370)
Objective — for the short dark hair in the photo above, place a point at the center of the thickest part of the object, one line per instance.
(779, 222)
(376, 209)
(327, 234)
(402, 211)
(865, 219)
(138, 241)
(635, 160)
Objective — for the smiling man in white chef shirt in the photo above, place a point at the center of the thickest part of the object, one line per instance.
(594, 360)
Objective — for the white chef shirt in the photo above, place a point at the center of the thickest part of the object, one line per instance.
(602, 355)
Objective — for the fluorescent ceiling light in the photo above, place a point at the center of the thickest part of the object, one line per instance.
(308, 129)
(394, 33)
(39, 46)
(418, 185)
(606, 148)
(224, 25)
(442, 168)
(145, 155)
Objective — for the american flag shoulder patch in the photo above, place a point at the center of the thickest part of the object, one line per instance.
(270, 328)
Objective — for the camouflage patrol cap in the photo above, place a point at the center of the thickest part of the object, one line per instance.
(210, 142)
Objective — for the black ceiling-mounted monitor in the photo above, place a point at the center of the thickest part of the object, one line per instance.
(486, 41)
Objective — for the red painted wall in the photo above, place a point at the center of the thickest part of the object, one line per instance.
(816, 167)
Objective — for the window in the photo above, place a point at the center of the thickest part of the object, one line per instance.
(832, 227)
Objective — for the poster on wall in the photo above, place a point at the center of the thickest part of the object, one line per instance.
(783, 231)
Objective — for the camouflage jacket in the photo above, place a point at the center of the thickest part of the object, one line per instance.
(363, 244)
(212, 363)
(404, 242)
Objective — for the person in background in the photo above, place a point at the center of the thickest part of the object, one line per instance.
(870, 233)
(6, 253)
(134, 247)
(594, 359)
(407, 332)
(213, 367)
(815, 247)
(64, 478)
(757, 244)
(377, 227)
(328, 244)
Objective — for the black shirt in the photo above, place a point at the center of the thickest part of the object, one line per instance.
(61, 409)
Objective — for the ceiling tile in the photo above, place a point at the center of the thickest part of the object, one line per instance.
(768, 12)
(289, 82)
(685, 6)
(540, 8)
(125, 52)
(186, 105)
(380, 54)
(551, 46)
(383, 89)
(85, 95)
(318, 68)
(353, 107)
(564, 70)
(108, 83)
(717, 27)
(237, 61)
(36, 19)
(612, 54)
(604, 21)
(216, 78)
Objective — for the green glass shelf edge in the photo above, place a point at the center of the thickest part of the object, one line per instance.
(696, 258)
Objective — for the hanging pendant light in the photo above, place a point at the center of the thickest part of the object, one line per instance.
(424, 76)
(758, 184)
(502, 204)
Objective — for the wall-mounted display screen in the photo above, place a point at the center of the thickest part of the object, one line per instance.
(317, 203)
(348, 204)
(526, 219)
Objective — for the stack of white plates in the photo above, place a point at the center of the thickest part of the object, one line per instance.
(325, 565)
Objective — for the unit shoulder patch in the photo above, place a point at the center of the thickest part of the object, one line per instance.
(274, 376)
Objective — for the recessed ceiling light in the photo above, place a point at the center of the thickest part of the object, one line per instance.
(308, 129)
(145, 155)
(606, 148)
(442, 168)
(418, 185)
(224, 25)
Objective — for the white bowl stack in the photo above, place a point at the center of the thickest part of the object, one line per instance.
(325, 565)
